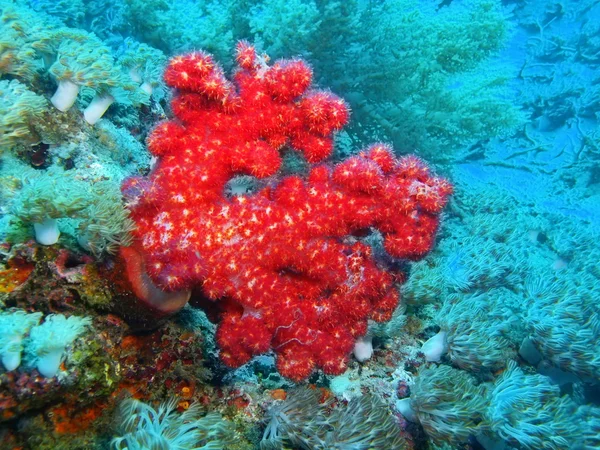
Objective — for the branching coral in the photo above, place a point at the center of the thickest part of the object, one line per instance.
(282, 261)
(398, 76)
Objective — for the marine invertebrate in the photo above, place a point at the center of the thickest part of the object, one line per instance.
(83, 60)
(529, 411)
(564, 321)
(14, 326)
(45, 197)
(141, 426)
(22, 32)
(285, 262)
(47, 343)
(144, 63)
(448, 404)
(19, 109)
(473, 332)
(303, 420)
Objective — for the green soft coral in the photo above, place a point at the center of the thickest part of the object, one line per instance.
(19, 110)
(103, 221)
(142, 426)
(145, 65)
(22, 33)
(47, 343)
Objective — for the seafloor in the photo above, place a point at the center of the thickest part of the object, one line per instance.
(299, 224)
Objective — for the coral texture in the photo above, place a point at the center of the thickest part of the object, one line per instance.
(286, 262)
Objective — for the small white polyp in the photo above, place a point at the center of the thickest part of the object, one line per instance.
(135, 75)
(146, 87)
(404, 408)
(49, 363)
(47, 232)
(435, 347)
(97, 108)
(11, 360)
(65, 95)
(363, 348)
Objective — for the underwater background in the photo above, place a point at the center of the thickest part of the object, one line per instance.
(299, 224)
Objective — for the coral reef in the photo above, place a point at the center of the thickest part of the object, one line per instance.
(495, 342)
(20, 108)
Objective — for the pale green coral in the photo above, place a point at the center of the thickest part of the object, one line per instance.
(103, 222)
(48, 342)
(474, 331)
(528, 411)
(19, 110)
(448, 403)
(22, 33)
(145, 65)
(303, 420)
(564, 321)
(14, 326)
(143, 427)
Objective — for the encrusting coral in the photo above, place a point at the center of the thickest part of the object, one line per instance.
(286, 262)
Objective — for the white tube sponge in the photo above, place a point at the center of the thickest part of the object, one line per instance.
(98, 106)
(435, 347)
(48, 342)
(65, 95)
(46, 232)
(363, 348)
(14, 325)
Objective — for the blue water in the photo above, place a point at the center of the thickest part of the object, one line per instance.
(127, 322)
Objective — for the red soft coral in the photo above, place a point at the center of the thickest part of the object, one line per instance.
(285, 263)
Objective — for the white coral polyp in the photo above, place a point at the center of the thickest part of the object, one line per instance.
(363, 348)
(12, 359)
